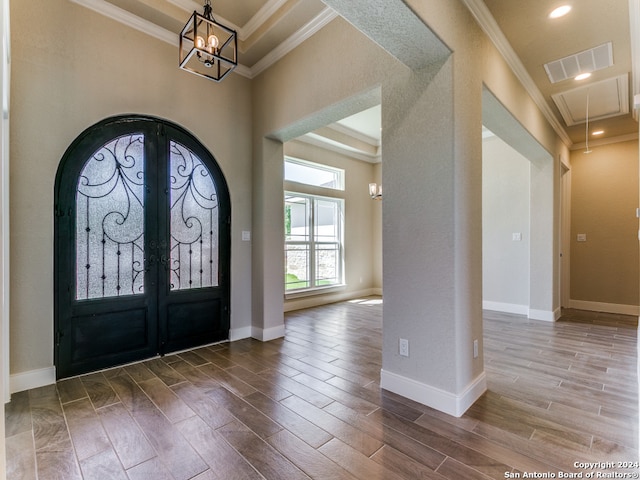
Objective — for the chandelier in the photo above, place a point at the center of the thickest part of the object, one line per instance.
(208, 48)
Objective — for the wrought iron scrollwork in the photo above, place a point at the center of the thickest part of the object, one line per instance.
(110, 221)
(193, 259)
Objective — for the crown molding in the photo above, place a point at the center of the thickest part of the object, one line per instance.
(374, 142)
(293, 41)
(261, 16)
(489, 25)
(120, 15)
(127, 18)
(326, 144)
(191, 6)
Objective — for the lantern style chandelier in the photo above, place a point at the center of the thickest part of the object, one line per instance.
(208, 48)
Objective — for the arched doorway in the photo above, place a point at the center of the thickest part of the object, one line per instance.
(142, 245)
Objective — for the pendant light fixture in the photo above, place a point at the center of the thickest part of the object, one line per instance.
(208, 48)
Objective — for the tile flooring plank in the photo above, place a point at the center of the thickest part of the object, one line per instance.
(300, 390)
(151, 469)
(405, 466)
(243, 411)
(296, 424)
(71, 389)
(454, 470)
(104, 465)
(85, 427)
(306, 458)
(352, 401)
(17, 415)
(350, 435)
(129, 443)
(192, 358)
(164, 372)
(221, 458)
(166, 400)
(194, 375)
(264, 458)
(139, 372)
(174, 451)
(224, 378)
(49, 426)
(99, 390)
(483, 463)
(57, 464)
(259, 383)
(210, 411)
(359, 465)
(419, 452)
(21, 456)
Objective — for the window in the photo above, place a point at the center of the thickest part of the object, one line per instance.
(314, 174)
(313, 241)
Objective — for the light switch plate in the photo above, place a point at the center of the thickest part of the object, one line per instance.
(582, 237)
(246, 236)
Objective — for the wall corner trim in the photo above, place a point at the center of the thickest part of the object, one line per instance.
(239, 333)
(514, 308)
(544, 315)
(266, 334)
(19, 382)
(434, 397)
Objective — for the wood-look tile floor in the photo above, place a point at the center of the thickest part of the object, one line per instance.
(310, 406)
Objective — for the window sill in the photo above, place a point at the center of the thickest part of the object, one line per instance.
(314, 291)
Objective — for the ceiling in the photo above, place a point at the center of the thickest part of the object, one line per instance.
(269, 29)
(537, 40)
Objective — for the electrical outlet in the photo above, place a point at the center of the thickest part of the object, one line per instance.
(475, 349)
(404, 347)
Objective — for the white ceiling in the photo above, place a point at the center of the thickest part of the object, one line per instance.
(269, 29)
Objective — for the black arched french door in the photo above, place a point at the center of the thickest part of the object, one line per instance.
(142, 245)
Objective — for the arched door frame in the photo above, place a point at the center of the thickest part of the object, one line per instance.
(158, 134)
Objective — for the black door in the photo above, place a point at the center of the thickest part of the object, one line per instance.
(142, 245)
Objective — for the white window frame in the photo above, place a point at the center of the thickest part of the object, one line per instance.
(313, 243)
(338, 172)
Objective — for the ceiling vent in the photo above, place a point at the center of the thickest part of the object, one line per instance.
(590, 60)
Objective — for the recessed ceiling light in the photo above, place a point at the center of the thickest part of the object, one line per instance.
(583, 76)
(560, 11)
(598, 132)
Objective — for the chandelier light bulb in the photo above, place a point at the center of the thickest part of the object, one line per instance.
(199, 42)
(213, 41)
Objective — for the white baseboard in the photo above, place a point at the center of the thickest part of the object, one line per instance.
(505, 307)
(605, 307)
(19, 382)
(320, 299)
(449, 403)
(544, 315)
(266, 334)
(239, 333)
(516, 309)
